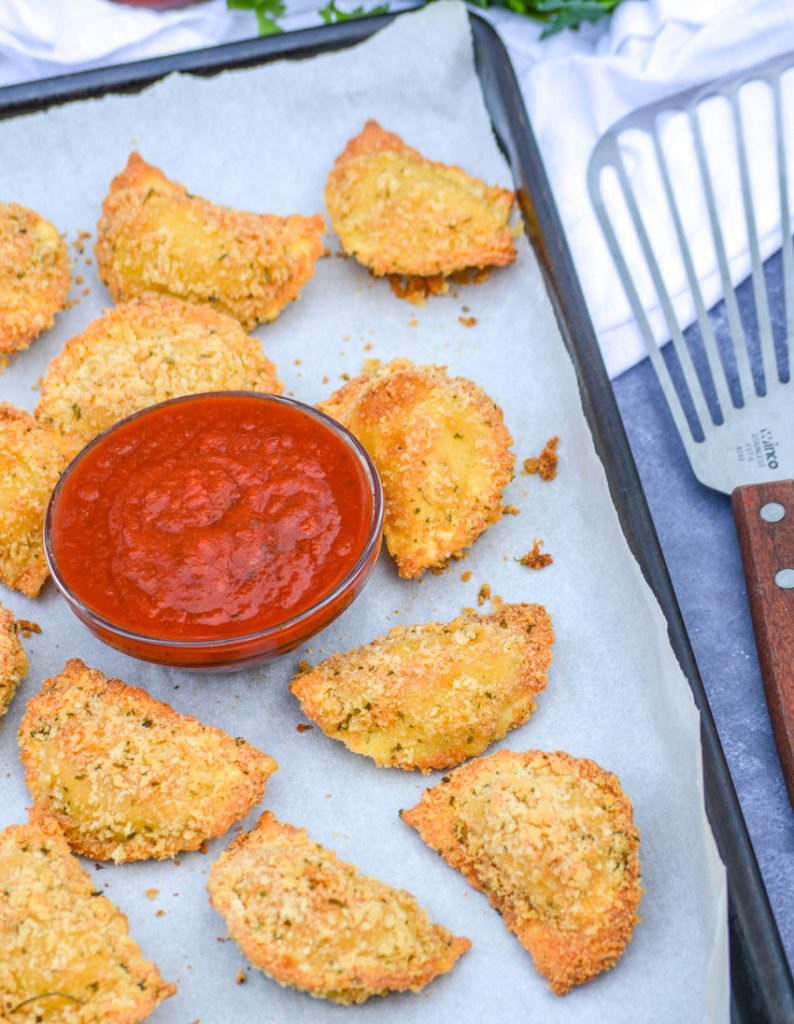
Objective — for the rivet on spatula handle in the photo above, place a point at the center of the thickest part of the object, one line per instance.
(764, 516)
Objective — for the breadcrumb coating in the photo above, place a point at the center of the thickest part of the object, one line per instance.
(67, 956)
(399, 213)
(128, 778)
(154, 237)
(13, 661)
(142, 353)
(551, 841)
(34, 276)
(32, 459)
(443, 454)
(431, 696)
(312, 922)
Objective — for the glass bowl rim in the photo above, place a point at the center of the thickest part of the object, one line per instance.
(373, 540)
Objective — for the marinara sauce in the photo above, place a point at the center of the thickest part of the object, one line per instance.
(213, 516)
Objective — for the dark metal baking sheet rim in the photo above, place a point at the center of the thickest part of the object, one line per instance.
(762, 989)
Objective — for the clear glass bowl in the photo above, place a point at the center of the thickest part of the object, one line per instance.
(230, 652)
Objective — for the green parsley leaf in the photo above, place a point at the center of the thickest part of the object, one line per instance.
(556, 15)
(267, 13)
(332, 14)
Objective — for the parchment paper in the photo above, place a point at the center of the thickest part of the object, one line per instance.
(264, 140)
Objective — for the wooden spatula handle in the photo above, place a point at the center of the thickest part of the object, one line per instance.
(764, 516)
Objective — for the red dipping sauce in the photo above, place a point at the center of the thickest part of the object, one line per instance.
(215, 529)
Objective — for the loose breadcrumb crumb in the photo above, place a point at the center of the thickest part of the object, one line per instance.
(466, 576)
(510, 510)
(535, 559)
(26, 627)
(546, 463)
(302, 727)
(484, 593)
(467, 321)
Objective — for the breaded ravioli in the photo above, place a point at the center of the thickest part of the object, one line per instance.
(31, 460)
(400, 213)
(13, 661)
(551, 841)
(128, 778)
(430, 696)
(154, 237)
(34, 276)
(144, 352)
(443, 454)
(312, 922)
(67, 955)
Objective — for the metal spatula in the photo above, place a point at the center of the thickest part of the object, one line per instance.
(721, 155)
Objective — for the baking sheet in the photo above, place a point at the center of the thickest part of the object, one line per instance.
(264, 139)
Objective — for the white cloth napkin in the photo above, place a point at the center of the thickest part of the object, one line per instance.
(575, 86)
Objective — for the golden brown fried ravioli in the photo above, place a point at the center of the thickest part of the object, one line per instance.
(13, 662)
(31, 460)
(550, 840)
(399, 213)
(142, 353)
(67, 956)
(312, 922)
(431, 696)
(128, 778)
(442, 451)
(154, 237)
(34, 276)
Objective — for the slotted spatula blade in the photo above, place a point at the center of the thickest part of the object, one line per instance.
(721, 157)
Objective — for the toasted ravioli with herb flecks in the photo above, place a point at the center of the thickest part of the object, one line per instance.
(13, 661)
(155, 238)
(443, 454)
(34, 276)
(399, 213)
(312, 922)
(32, 459)
(67, 955)
(145, 352)
(550, 839)
(128, 778)
(431, 696)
